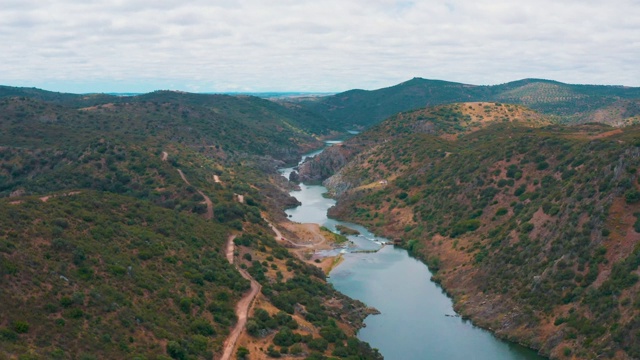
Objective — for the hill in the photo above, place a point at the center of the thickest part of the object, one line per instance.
(116, 224)
(356, 109)
(530, 226)
(247, 125)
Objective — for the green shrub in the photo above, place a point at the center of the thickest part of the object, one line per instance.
(526, 227)
(464, 226)
(8, 334)
(202, 327)
(21, 327)
(632, 196)
(242, 352)
(176, 351)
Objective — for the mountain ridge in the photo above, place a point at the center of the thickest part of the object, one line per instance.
(363, 108)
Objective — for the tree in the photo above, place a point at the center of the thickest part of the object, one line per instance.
(242, 352)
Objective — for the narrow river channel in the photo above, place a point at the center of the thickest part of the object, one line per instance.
(417, 320)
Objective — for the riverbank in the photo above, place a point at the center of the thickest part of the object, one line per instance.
(413, 323)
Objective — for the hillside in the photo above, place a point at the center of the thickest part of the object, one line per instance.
(356, 109)
(444, 121)
(233, 123)
(531, 228)
(116, 223)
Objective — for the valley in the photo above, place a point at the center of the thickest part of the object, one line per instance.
(528, 225)
(161, 226)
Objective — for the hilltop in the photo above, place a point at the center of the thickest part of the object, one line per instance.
(573, 103)
(531, 226)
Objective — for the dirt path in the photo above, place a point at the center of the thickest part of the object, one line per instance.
(184, 178)
(165, 155)
(207, 200)
(231, 247)
(242, 308)
(209, 203)
(45, 198)
(279, 237)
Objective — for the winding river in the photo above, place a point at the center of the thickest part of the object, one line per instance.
(417, 320)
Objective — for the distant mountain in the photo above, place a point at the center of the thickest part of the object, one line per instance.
(362, 108)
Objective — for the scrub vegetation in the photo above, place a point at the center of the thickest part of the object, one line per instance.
(516, 215)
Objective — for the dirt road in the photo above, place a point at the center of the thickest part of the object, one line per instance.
(207, 200)
(242, 308)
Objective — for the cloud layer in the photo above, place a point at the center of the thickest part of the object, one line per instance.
(329, 45)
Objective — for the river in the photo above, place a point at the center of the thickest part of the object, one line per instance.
(417, 320)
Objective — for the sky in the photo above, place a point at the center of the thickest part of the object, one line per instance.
(86, 46)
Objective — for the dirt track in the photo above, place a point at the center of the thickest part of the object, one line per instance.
(242, 308)
(207, 200)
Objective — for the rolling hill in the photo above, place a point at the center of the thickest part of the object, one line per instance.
(357, 109)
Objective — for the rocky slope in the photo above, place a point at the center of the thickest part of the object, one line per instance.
(533, 228)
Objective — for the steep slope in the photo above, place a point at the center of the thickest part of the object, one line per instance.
(532, 230)
(360, 108)
(95, 273)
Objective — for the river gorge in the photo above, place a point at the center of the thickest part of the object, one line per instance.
(416, 319)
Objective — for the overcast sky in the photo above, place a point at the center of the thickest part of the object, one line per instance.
(320, 45)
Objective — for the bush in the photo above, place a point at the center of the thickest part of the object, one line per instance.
(175, 350)
(8, 334)
(21, 327)
(202, 327)
(465, 226)
(242, 353)
(632, 196)
(520, 190)
(526, 227)
(319, 344)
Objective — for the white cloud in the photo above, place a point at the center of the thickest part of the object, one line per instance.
(331, 45)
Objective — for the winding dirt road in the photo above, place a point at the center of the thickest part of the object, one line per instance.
(207, 200)
(242, 307)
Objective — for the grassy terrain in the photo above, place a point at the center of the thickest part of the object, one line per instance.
(531, 227)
